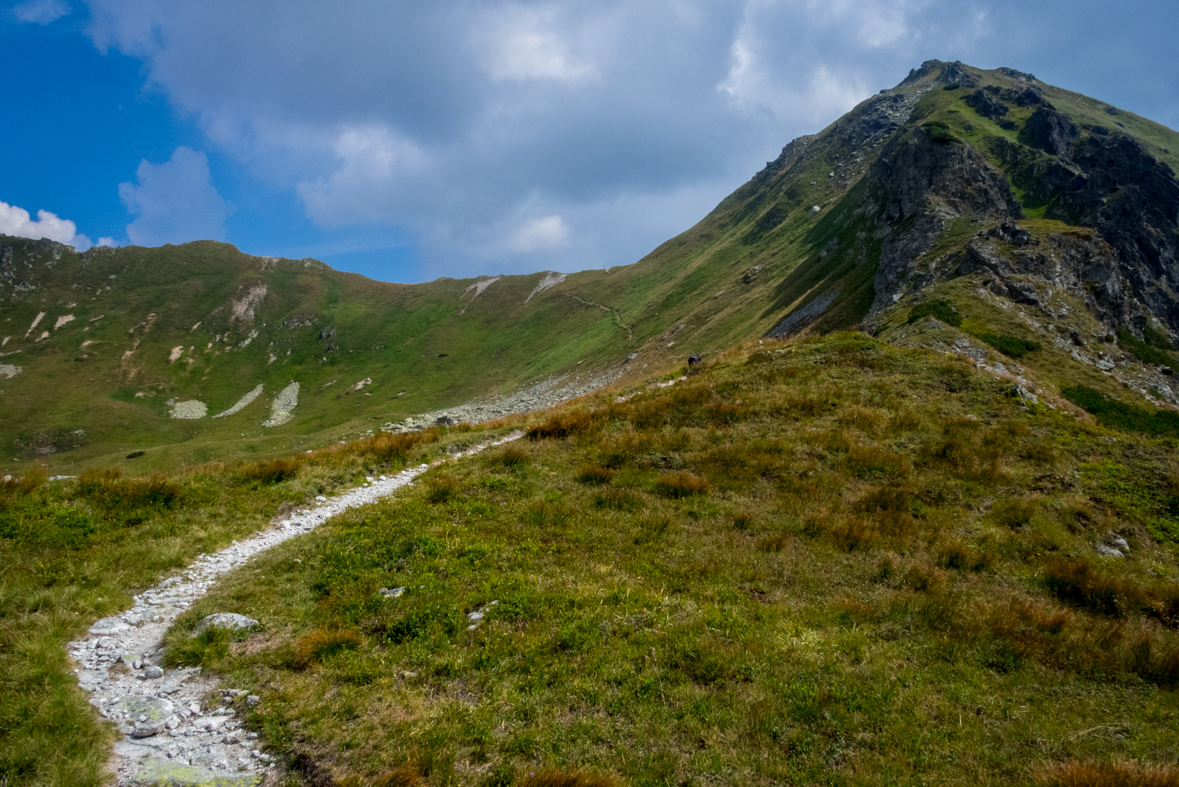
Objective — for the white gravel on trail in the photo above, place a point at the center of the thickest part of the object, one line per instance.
(169, 737)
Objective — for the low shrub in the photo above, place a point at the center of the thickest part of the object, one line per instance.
(775, 542)
(24, 484)
(319, 644)
(1119, 415)
(1156, 338)
(939, 132)
(406, 775)
(683, 484)
(1144, 351)
(891, 508)
(742, 520)
(924, 579)
(652, 529)
(872, 460)
(545, 513)
(939, 309)
(1011, 346)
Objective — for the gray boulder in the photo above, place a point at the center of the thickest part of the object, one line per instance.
(225, 620)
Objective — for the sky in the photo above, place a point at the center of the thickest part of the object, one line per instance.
(408, 141)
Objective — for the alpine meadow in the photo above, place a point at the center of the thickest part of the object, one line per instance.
(908, 515)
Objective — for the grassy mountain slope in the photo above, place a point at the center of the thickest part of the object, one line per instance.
(859, 222)
(832, 562)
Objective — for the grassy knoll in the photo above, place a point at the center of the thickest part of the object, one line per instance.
(836, 562)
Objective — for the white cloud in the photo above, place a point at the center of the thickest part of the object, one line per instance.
(16, 221)
(175, 201)
(460, 122)
(373, 166)
(104, 241)
(41, 12)
(543, 233)
(524, 47)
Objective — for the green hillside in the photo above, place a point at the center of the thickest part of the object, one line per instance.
(906, 198)
(831, 562)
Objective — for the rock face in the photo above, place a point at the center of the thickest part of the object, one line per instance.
(1124, 268)
(919, 185)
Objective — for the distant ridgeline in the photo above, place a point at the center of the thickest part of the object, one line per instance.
(1040, 224)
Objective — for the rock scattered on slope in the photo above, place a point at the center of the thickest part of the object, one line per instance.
(282, 409)
(242, 403)
(538, 396)
(191, 410)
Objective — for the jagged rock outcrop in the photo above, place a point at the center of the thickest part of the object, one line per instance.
(920, 184)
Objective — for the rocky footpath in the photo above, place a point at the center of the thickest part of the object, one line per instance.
(172, 733)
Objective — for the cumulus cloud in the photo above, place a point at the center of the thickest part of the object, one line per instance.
(41, 12)
(17, 221)
(544, 233)
(174, 201)
(489, 128)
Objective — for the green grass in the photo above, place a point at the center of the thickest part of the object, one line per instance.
(821, 563)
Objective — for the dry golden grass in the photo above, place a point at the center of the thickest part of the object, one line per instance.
(1123, 773)
(273, 471)
(319, 644)
(578, 778)
(683, 484)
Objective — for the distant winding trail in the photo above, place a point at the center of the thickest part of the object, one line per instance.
(168, 736)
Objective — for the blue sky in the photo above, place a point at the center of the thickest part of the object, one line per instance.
(407, 141)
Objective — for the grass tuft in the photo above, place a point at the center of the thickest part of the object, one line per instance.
(441, 488)
(512, 457)
(320, 644)
(595, 474)
(682, 484)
